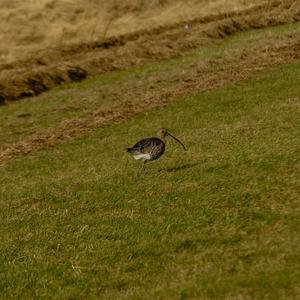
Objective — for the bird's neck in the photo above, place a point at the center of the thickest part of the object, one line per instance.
(163, 138)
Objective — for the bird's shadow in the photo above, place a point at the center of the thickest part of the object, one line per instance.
(178, 168)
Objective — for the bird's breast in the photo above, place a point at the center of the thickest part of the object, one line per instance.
(143, 156)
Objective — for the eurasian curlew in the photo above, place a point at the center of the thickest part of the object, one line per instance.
(152, 148)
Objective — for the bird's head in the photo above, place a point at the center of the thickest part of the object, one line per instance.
(163, 134)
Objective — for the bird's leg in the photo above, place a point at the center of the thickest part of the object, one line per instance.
(144, 164)
(142, 169)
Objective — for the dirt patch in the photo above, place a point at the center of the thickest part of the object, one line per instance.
(56, 66)
(159, 91)
(27, 83)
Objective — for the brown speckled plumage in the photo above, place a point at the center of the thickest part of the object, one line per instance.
(151, 148)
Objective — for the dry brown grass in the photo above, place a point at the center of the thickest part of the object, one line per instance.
(28, 26)
(39, 66)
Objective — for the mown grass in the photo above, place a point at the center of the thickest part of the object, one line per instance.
(219, 221)
(34, 116)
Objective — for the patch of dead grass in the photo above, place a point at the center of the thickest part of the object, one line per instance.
(28, 26)
(72, 62)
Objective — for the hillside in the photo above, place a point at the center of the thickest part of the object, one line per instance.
(217, 221)
(76, 59)
(29, 26)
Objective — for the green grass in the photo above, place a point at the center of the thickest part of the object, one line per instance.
(43, 114)
(219, 221)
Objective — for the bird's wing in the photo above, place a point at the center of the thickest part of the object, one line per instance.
(145, 144)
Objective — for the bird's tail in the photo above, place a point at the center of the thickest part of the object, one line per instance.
(130, 150)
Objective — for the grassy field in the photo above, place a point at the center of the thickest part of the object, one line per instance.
(25, 120)
(55, 41)
(219, 221)
(30, 26)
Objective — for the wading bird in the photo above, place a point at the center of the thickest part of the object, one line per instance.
(152, 148)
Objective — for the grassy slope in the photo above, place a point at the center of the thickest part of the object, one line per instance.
(29, 26)
(33, 116)
(220, 220)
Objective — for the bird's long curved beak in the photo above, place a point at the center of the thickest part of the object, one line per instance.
(177, 140)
